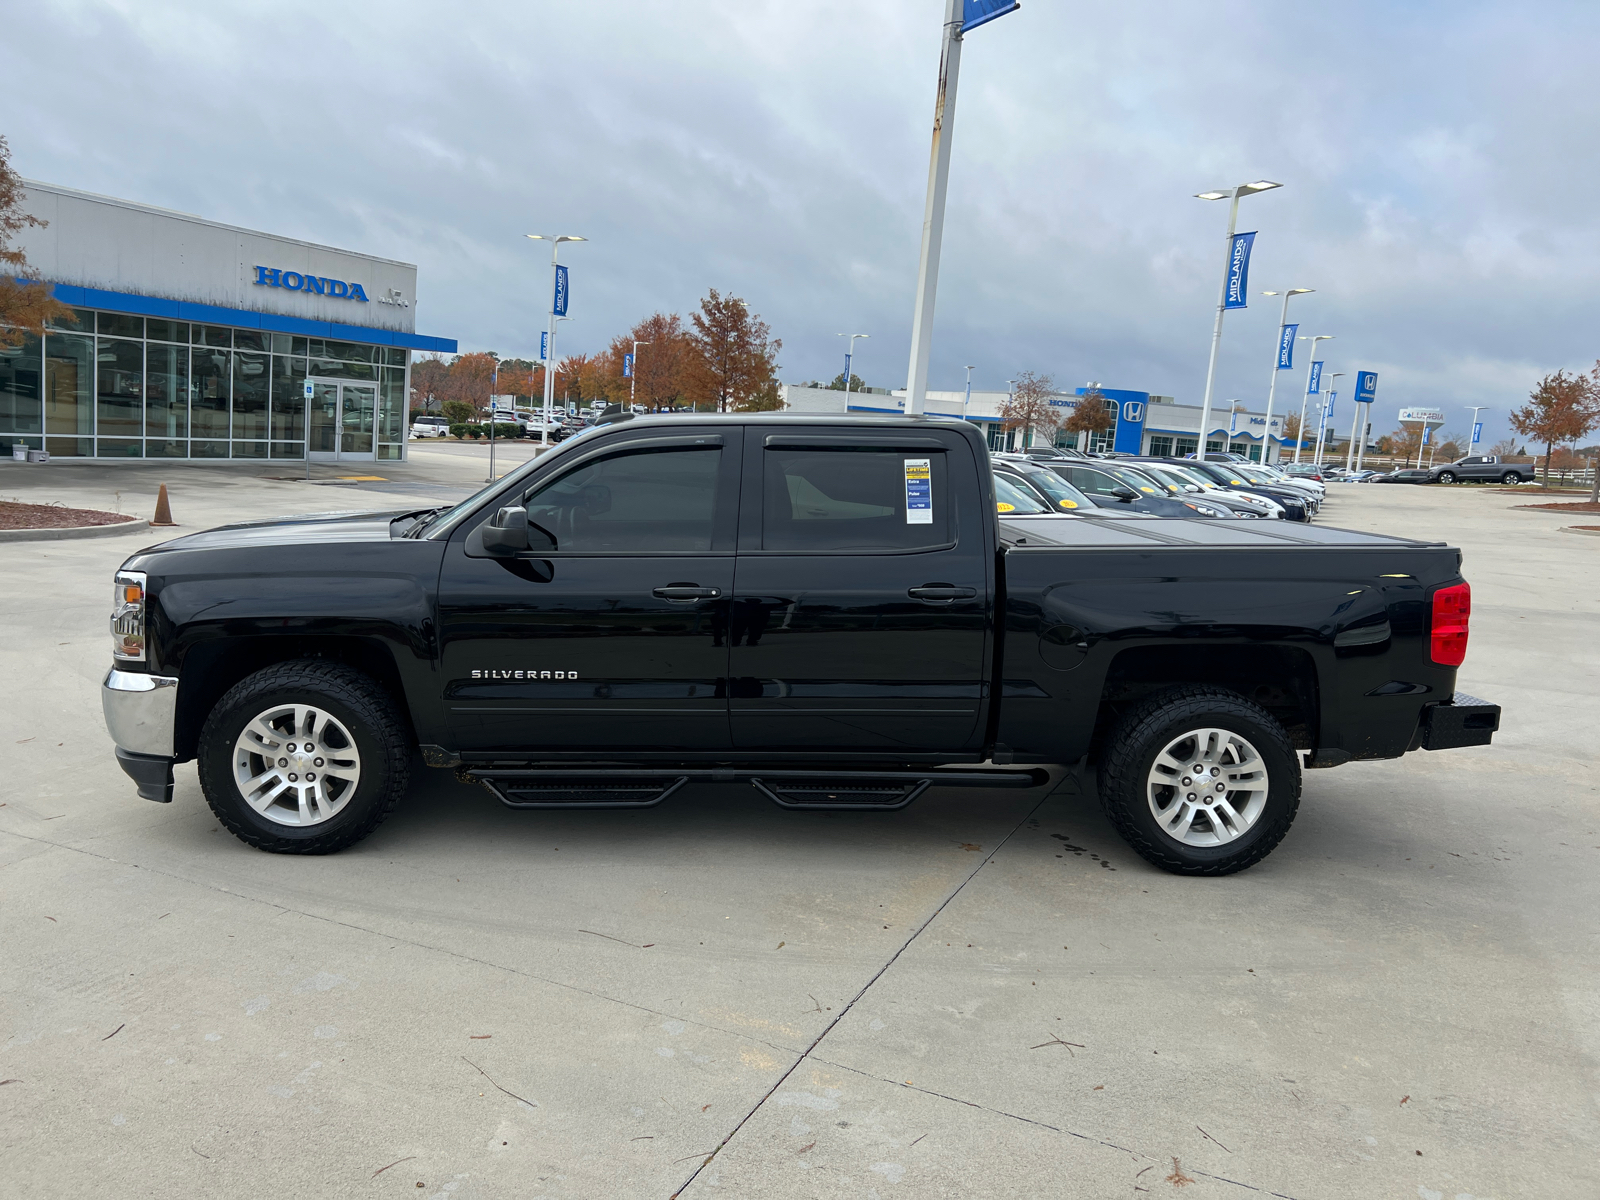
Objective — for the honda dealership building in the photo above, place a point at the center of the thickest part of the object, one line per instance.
(199, 340)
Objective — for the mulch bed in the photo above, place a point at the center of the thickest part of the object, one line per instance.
(1585, 506)
(50, 516)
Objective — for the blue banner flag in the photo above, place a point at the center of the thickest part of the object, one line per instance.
(1427, 435)
(560, 308)
(1238, 295)
(1366, 386)
(979, 12)
(1477, 432)
(1286, 346)
(1315, 385)
(544, 346)
(627, 366)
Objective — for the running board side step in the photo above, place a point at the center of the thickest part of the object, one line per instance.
(838, 791)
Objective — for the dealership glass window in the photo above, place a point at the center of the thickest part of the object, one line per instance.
(209, 396)
(69, 394)
(250, 339)
(219, 336)
(250, 381)
(119, 395)
(19, 388)
(288, 406)
(1161, 447)
(331, 368)
(354, 352)
(1255, 454)
(283, 343)
(119, 325)
(80, 320)
(391, 412)
(1183, 447)
(157, 329)
(166, 400)
(394, 356)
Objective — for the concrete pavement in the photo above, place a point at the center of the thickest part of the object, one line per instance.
(984, 995)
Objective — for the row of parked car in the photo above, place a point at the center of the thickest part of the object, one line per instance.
(1045, 480)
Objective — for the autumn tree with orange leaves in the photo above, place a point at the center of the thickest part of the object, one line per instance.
(26, 304)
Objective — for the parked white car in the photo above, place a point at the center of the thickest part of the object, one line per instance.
(430, 427)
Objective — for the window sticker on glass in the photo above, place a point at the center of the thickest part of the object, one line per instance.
(919, 491)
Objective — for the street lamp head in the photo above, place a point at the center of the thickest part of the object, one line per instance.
(1211, 195)
(1290, 292)
(1321, 337)
(1261, 185)
(565, 237)
(1244, 189)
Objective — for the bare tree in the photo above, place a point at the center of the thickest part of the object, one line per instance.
(26, 305)
(1028, 407)
(1091, 416)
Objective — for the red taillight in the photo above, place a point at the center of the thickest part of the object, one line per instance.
(1452, 612)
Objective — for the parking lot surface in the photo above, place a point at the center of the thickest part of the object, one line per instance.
(984, 995)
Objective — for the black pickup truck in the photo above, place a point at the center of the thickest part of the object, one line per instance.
(828, 610)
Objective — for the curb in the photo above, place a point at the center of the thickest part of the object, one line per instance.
(1579, 529)
(74, 531)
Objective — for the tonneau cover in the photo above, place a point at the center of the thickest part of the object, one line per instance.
(1049, 531)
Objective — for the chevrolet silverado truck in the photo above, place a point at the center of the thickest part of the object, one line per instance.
(1482, 468)
(830, 611)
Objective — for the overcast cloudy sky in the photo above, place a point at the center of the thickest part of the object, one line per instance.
(1439, 163)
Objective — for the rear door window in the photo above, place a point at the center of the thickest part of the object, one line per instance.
(855, 499)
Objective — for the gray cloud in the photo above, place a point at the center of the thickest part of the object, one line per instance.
(1438, 160)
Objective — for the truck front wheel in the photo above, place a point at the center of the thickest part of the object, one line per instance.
(303, 758)
(1200, 781)
(1447, 476)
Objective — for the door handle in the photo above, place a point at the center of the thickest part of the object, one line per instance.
(686, 591)
(941, 592)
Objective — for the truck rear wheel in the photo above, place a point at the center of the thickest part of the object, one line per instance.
(304, 758)
(1200, 781)
(1510, 477)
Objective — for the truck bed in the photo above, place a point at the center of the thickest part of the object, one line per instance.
(1144, 535)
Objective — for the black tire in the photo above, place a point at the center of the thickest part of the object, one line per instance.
(1130, 755)
(1510, 477)
(347, 695)
(1447, 476)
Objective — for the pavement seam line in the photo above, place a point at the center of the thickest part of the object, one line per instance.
(1087, 1137)
(893, 958)
(482, 962)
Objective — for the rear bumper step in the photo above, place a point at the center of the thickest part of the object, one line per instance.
(1464, 721)
(840, 791)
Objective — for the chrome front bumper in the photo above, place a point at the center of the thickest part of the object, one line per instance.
(141, 711)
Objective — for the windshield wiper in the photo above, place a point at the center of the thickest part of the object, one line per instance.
(425, 517)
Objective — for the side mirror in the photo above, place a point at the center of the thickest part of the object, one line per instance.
(1191, 487)
(507, 532)
(1125, 494)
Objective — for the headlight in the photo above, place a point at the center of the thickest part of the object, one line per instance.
(127, 616)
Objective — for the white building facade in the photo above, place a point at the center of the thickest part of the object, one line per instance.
(199, 340)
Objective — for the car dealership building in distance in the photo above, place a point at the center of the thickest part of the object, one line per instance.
(1146, 424)
(200, 340)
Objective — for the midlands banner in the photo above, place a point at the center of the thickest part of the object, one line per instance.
(1315, 385)
(627, 366)
(1477, 432)
(981, 12)
(1238, 294)
(1286, 346)
(560, 308)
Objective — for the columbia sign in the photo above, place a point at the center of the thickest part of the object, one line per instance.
(1431, 416)
(318, 285)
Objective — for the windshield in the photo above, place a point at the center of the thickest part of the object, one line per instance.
(1058, 489)
(1009, 498)
(1134, 479)
(443, 520)
(1189, 476)
(1164, 474)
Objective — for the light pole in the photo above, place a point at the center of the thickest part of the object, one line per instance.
(966, 402)
(849, 356)
(633, 373)
(1233, 195)
(1305, 399)
(1323, 414)
(1011, 402)
(1277, 365)
(1355, 427)
(555, 245)
(1472, 443)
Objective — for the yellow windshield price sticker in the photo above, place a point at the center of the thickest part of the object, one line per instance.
(919, 491)
(1002, 506)
(1067, 503)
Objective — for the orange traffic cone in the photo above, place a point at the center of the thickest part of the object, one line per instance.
(163, 515)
